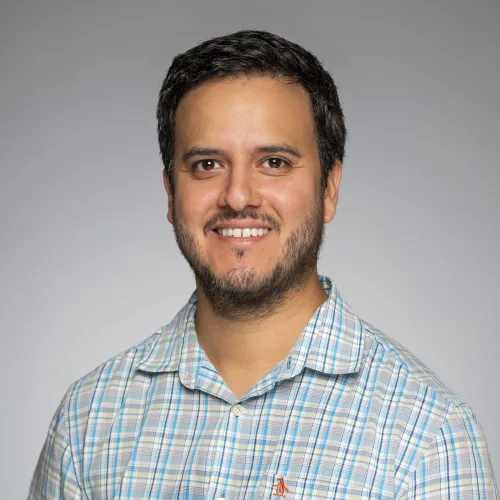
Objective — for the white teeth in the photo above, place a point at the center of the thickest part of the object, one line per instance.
(242, 233)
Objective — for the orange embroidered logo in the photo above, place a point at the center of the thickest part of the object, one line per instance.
(280, 488)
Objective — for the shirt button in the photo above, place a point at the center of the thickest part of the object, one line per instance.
(237, 411)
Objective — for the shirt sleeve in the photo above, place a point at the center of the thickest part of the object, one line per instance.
(457, 464)
(54, 476)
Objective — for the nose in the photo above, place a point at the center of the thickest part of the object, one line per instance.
(240, 190)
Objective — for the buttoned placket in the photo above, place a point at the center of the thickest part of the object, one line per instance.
(235, 412)
(231, 418)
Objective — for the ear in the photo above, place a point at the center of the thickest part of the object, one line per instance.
(331, 196)
(168, 189)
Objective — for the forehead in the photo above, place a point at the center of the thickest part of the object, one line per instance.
(245, 109)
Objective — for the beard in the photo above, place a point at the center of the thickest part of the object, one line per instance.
(241, 292)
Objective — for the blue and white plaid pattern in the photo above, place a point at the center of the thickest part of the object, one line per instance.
(349, 414)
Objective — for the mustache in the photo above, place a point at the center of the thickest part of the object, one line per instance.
(227, 216)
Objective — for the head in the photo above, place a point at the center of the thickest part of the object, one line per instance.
(252, 137)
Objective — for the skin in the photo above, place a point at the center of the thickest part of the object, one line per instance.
(237, 117)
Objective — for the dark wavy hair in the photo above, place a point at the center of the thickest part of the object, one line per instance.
(248, 53)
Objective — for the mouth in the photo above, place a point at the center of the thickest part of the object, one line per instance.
(238, 232)
(241, 237)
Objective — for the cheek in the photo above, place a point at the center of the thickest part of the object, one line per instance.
(193, 203)
(292, 201)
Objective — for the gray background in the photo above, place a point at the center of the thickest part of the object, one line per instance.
(89, 264)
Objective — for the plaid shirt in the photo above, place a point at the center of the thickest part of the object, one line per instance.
(350, 413)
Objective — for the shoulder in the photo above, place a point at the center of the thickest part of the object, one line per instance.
(112, 375)
(96, 398)
(390, 356)
(124, 379)
(420, 409)
(87, 409)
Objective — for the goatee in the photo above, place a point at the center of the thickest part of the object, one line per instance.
(242, 292)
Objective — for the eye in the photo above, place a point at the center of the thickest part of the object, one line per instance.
(205, 166)
(275, 163)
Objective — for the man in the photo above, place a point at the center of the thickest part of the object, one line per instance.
(266, 383)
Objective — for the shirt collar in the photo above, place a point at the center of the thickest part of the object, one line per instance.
(331, 343)
(333, 340)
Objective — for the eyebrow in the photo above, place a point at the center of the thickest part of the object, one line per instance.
(268, 149)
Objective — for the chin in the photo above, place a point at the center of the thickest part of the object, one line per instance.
(242, 278)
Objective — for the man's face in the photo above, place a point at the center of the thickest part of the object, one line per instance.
(249, 208)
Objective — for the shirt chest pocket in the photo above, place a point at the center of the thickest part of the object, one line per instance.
(295, 487)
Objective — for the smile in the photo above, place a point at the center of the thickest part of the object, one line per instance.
(242, 232)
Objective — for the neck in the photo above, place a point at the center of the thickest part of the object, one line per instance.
(252, 346)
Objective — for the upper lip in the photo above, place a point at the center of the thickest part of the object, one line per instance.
(253, 224)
